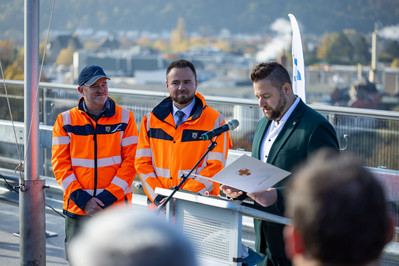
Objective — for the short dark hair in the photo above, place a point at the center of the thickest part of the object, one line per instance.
(339, 208)
(181, 64)
(275, 72)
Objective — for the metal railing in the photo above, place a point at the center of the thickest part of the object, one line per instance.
(371, 135)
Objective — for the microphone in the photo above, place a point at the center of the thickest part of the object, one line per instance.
(217, 131)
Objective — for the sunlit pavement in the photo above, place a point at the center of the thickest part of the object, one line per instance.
(9, 243)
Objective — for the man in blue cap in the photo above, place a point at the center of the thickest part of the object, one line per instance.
(93, 151)
(94, 88)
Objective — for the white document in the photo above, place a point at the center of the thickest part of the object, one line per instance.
(250, 175)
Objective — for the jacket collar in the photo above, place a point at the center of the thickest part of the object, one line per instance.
(286, 131)
(164, 108)
(108, 111)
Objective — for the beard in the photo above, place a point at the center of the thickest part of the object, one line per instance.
(183, 98)
(276, 113)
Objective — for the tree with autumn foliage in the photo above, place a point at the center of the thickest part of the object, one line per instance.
(178, 40)
(8, 53)
(65, 56)
(12, 60)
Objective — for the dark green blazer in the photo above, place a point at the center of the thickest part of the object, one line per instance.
(304, 132)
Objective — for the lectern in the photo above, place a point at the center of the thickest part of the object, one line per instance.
(212, 224)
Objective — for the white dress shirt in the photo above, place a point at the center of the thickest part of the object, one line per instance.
(273, 131)
(186, 110)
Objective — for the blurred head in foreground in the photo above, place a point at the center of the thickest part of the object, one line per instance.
(338, 211)
(127, 237)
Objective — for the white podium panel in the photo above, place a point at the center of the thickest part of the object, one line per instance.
(214, 232)
(213, 225)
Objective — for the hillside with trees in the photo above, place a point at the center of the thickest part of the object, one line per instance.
(206, 17)
(333, 32)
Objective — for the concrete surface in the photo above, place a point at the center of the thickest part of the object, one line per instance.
(9, 243)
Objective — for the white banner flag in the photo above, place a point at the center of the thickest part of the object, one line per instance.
(298, 64)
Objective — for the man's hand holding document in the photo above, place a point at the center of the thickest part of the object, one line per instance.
(250, 175)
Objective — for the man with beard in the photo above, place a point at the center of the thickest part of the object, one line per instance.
(169, 144)
(286, 136)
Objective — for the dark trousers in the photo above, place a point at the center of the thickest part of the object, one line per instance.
(72, 228)
(270, 243)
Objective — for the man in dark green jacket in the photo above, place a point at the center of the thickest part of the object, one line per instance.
(285, 137)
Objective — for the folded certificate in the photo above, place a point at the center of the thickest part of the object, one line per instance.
(250, 175)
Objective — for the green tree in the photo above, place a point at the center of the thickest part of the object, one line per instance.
(335, 49)
(361, 54)
(393, 49)
(389, 52)
(341, 49)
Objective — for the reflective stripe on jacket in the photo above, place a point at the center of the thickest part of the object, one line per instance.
(165, 152)
(94, 159)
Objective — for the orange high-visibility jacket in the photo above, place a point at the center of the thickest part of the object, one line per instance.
(94, 159)
(165, 152)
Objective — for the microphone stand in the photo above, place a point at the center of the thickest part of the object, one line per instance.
(184, 178)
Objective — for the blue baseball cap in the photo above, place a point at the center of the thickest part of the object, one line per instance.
(90, 74)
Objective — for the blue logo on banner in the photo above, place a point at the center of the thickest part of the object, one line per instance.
(298, 74)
